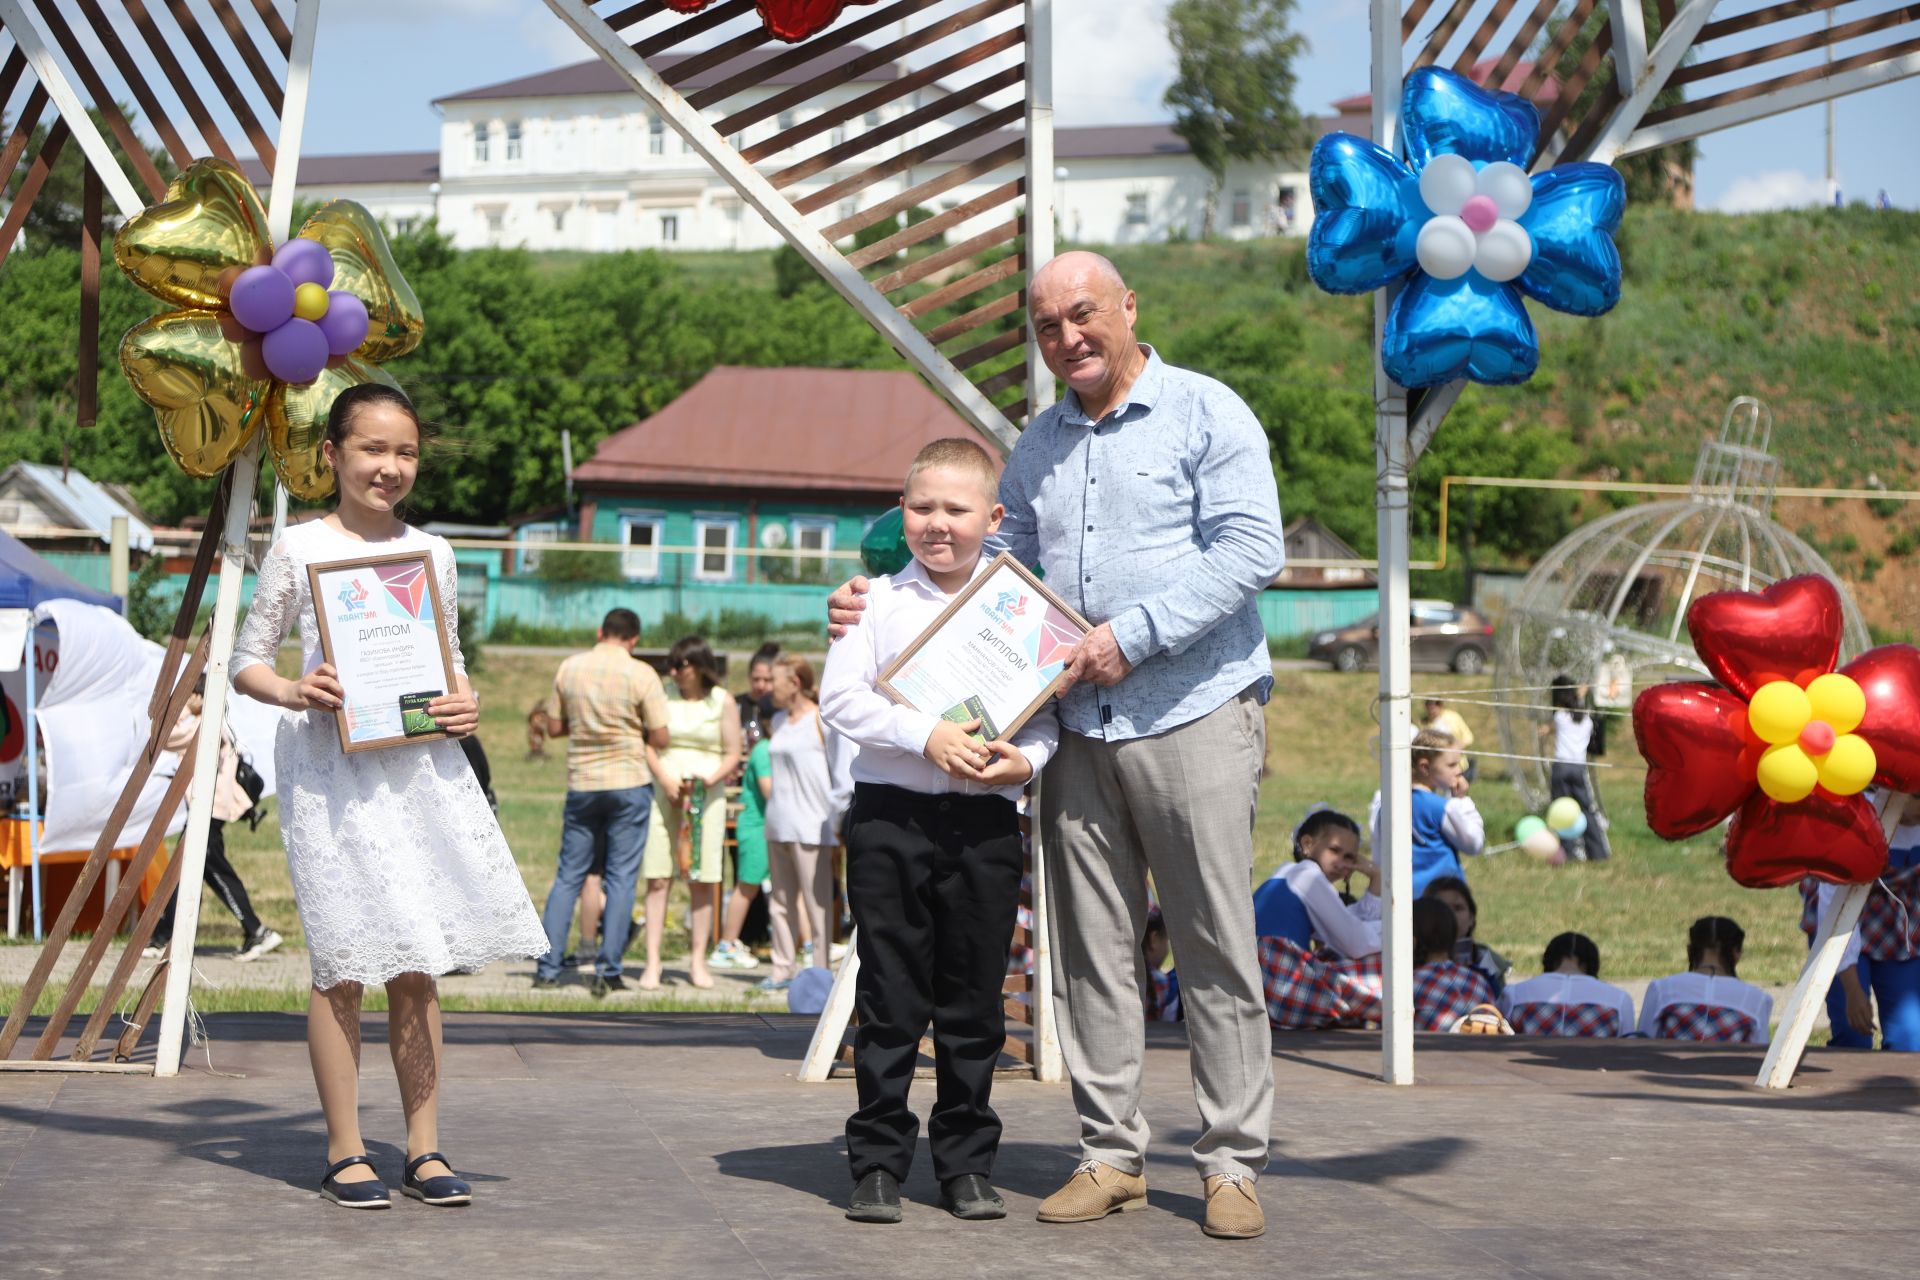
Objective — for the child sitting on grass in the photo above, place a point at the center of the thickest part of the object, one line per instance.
(1568, 998)
(1444, 990)
(1466, 913)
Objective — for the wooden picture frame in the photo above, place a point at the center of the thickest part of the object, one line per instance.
(962, 601)
(429, 580)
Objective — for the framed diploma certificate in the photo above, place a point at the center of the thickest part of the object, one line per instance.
(380, 628)
(994, 655)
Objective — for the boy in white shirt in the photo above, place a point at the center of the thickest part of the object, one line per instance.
(934, 859)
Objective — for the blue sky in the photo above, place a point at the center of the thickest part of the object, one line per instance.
(1112, 64)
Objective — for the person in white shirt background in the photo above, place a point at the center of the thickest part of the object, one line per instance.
(804, 812)
(1572, 731)
(1713, 952)
(1569, 982)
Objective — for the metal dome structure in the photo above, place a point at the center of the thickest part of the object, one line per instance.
(1608, 604)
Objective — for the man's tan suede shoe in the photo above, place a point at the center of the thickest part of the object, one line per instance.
(1233, 1208)
(1094, 1191)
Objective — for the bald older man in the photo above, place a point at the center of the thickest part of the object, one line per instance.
(1148, 496)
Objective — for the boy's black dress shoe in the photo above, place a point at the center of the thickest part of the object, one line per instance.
(368, 1194)
(972, 1197)
(875, 1198)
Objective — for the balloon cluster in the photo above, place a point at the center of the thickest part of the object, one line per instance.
(291, 323)
(1541, 837)
(1784, 744)
(1469, 231)
(255, 340)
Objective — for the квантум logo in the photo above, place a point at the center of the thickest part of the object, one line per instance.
(1008, 605)
(353, 602)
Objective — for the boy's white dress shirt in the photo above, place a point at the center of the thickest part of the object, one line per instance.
(892, 738)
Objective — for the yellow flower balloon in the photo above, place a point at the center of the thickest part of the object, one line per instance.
(1787, 773)
(1779, 711)
(1849, 767)
(210, 395)
(1838, 700)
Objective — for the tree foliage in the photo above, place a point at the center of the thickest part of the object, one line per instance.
(55, 216)
(1232, 95)
(1652, 177)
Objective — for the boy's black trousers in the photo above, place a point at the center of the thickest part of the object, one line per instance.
(934, 882)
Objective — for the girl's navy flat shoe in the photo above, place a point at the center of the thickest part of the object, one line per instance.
(444, 1190)
(370, 1194)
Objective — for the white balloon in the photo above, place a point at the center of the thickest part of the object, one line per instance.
(1509, 185)
(1447, 183)
(1504, 251)
(1445, 248)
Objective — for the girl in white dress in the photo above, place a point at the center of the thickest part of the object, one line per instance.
(399, 869)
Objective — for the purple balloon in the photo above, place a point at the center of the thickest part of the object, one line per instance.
(262, 298)
(305, 262)
(296, 352)
(345, 323)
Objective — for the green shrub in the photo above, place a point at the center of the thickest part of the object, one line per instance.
(1867, 324)
(1885, 508)
(562, 565)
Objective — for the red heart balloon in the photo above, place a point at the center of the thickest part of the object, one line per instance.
(791, 20)
(1790, 631)
(1890, 677)
(1829, 837)
(1700, 753)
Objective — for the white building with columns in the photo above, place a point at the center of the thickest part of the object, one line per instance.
(572, 159)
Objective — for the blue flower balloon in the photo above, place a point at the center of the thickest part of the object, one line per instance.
(1470, 231)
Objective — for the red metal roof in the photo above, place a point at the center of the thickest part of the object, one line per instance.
(853, 430)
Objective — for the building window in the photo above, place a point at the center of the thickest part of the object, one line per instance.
(839, 134)
(640, 537)
(1242, 211)
(1137, 209)
(480, 143)
(713, 538)
(656, 136)
(814, 536)
(559, 219)
(496, 216)
(401, 226)
(787, 120)
(873, 119)
(669, 228)
(513, 140)
(527, 558)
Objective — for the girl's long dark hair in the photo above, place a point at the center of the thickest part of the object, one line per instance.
(1566, 697)
(1719, 935)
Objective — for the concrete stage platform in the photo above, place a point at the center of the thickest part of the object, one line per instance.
(681, 1145)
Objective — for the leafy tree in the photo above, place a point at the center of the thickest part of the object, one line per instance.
(1232, 96)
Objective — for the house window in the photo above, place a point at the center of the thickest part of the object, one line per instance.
(559, 219)
(656, 136)
(669, 228)
(527, 558)
(839, 134)
(513, 140)
(496, 216)
(1137, 209)
(813, 536)
(873, 119)
(1242, 212)
(787, 120)
(713, 538)
(641, 535)
(480, 143)
(401, 226)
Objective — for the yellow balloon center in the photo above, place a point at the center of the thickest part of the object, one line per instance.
(1811, 739)
(309, 301)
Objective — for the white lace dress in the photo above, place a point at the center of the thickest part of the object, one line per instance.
(398, 865)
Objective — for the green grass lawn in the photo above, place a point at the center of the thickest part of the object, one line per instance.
(1320, 725)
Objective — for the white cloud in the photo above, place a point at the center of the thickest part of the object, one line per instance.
(1111, 62)
(1775, 189)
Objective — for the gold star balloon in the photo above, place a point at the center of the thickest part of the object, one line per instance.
(257, 336)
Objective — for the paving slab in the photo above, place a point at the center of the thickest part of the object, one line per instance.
(683, 1145)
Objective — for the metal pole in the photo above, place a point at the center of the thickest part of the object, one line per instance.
(1833, 180)
(1396, 710)
(33, 770)
(117, 562)
(1040, 177)
(192, 849)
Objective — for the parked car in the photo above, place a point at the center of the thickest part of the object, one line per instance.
(1442, 635)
